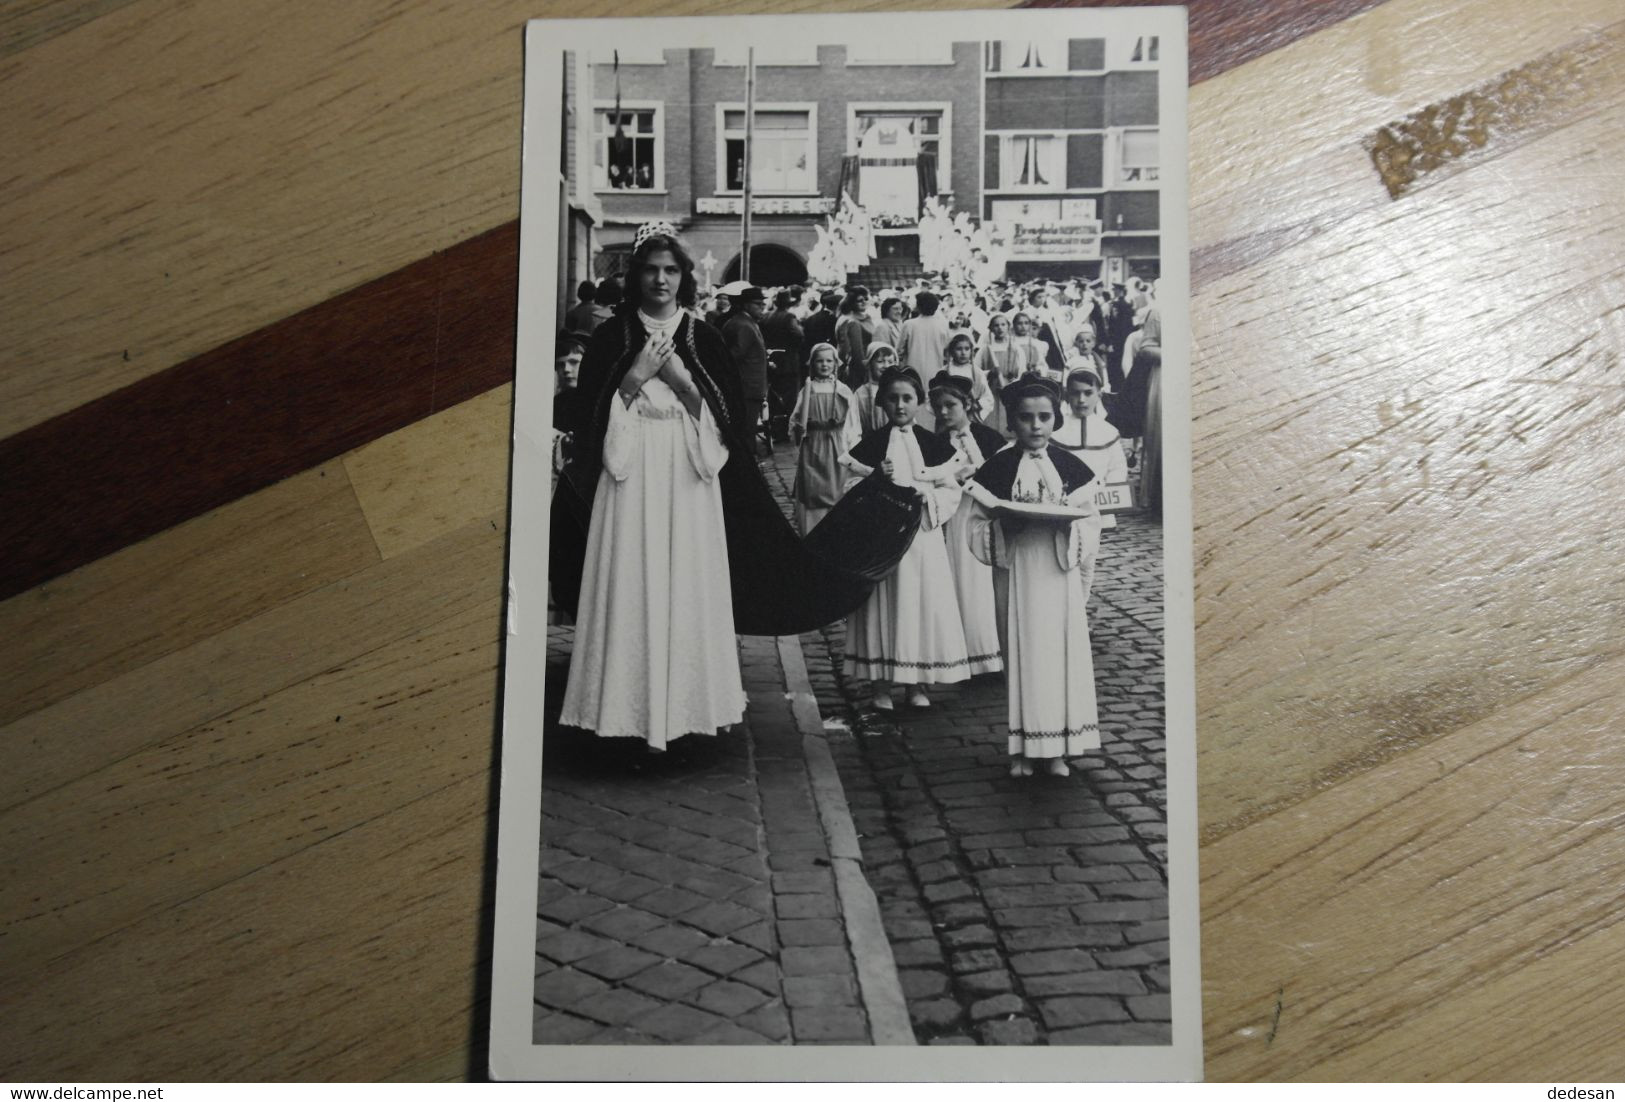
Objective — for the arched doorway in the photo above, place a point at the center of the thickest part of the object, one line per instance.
(770, 266)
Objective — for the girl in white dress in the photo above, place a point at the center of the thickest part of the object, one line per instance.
(1039, 565)
(973, 445)
(909, 630)
(655, 655)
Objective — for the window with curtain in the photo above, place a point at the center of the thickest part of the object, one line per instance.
(1137, 161)
(1135, 51)
(782, 151)
(1017, 55)
(1032, 161)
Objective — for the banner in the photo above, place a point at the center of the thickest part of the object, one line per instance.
(1057, 240)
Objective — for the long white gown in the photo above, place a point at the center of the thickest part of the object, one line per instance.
(973, 579)
(1049, 665)
(655, 655)
(908, 630)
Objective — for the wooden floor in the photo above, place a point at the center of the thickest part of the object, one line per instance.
(255, 332)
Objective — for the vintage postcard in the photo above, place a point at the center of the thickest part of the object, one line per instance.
(848, 692)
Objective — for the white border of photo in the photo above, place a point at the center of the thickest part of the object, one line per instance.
(513, 1055)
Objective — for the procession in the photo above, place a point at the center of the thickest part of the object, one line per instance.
(1006, 409)
(855, 518)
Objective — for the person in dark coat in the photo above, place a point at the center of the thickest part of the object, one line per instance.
(742, 332)
(578, 318)
(819, 327)
(1119, 324)
(782, 332)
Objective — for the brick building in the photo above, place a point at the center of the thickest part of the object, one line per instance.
(1054, 140)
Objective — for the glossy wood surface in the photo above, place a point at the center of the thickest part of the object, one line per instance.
(254, 418)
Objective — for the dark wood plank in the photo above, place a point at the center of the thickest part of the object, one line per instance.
(1227, 33)
(258, 409)
(368, 362)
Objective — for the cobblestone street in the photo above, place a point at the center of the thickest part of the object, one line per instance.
(692, 897)
(1020, 912)
(823, 874)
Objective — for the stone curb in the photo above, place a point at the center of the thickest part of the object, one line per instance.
(878, 984)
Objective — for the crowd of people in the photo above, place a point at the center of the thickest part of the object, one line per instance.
(1001, 407)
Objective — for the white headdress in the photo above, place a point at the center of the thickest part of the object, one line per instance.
(657, 228)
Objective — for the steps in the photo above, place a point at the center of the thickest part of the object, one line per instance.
(887, 273)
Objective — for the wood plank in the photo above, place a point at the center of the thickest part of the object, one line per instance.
(159, 596)
(347, 960)
(144, 230)
(28, 24)
(266, 654)
(278, 775)
(265, 888)
(433, 477)
(257, 410)
(1453, 914)
(1277, 153)
(1390, 542)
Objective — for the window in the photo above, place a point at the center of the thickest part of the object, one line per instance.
(633, 161)
(1026, 56)
(1032, 162)
(928, 126)
(782, 150)
(900, 52)
(776, 53)
(1128, 53)
(1137, 160)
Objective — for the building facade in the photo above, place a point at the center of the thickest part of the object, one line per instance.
(1055, 141)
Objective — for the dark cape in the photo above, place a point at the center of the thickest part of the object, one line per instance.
(998, 474)
(872, 526)
(987, 438)
(779, 586)
(871, 450)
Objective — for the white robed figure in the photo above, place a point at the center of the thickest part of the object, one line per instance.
(1039, 567)
(655, 656)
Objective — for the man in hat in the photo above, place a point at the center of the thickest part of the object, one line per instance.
(782, 331)
(742, 332)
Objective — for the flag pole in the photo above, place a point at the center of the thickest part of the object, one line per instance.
(750, 130)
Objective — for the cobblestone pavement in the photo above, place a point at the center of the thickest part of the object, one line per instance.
(687, 897)
(1019, 912)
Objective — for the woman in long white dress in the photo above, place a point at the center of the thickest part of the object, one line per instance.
(655, 655)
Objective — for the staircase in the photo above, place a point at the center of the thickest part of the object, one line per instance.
(887, 273)
(896, 264)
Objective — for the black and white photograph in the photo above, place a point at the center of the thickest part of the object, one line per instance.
(848, 680)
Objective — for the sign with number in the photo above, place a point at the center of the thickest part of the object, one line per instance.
(1115, 497)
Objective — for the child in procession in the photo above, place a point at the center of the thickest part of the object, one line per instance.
(865, 413)
(822, 433)
(973, 445)
(908, 630)
(1039, 566)
(960, 357)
